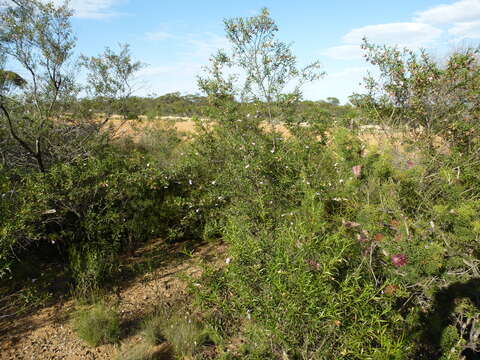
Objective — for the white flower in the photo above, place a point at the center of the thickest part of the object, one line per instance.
(228, 260)
(214, 182)
(272, 151)
(190, 182)
(247, 166)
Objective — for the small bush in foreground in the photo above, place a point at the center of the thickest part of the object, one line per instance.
(185, 335)
(152, 329)
(97, 325)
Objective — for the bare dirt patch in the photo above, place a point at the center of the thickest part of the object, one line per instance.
(47, 333)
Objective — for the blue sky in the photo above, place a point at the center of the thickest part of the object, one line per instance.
(176, 38)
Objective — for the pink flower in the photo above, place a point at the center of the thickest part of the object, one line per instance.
(357, 170)
(399, 260)
(313, 264)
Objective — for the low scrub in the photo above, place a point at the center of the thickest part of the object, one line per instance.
(97, 325)
(84, 212)
(335, 251)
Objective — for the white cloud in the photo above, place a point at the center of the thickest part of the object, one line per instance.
(344, 52)
(204, 45)
(406, 34)
(460, 11)
(158, 35)
(164, 79)
(403, 34)
(466, 30)
(158, 70)
(340, 84)
(93, 9)
(348, 73)
(193, 53)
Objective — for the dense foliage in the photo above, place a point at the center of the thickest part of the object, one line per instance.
(336, 248)
(430, 97)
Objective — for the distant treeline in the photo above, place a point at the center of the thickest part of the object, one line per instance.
(176, 104)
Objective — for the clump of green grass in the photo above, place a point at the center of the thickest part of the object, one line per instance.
(184, 334)
(167, 327)
(152, 328)
(145, 351)
(97, 325)
(135, 352)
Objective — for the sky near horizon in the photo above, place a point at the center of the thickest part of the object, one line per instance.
(176, 38)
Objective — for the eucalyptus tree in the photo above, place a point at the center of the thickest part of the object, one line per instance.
(39, 102)
(111, 80)
(258, 68)
(37, 38)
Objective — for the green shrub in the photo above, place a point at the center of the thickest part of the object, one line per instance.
(429, 97)
(333, 252)
(84, 211)
(97, 325)
(90, 264)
